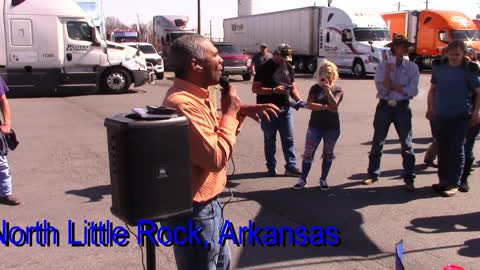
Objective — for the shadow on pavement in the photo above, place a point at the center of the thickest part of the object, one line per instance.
(453, 223)
(425, 140)
(312, 207)
(398, 151)
(419, 169)
(94, 194)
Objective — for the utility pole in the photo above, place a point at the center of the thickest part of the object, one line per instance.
(210, 29)
(199, 19)
(399, 5)
(426, 4)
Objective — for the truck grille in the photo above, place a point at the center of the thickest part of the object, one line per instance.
(153, 61)
(235, 63)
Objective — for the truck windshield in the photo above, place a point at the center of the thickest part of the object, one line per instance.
(126, 39)
(174, 36)
(228, 49)
(147, 49)
(465, 34)
(373, 34)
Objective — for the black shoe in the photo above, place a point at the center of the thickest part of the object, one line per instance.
(439, 188)
(294, 172)
(430, 163)
(464, 187)
(272, 172)
(409, 186)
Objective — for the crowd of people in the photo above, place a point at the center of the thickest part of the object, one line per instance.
(453, 106)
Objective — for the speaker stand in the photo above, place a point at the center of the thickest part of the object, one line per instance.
(150, 256)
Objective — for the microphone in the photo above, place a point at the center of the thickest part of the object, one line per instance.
(225, 84)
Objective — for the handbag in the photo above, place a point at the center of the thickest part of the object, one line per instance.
(11, 139)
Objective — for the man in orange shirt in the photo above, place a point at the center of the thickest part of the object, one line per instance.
(197, 65)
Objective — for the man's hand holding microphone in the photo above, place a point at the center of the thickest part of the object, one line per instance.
(231, 103)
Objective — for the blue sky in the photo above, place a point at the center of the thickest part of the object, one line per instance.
(217, 10)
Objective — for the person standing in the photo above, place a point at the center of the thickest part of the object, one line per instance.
(453, 80)
(275, 83)
(260, 58)
(323, 99)
(197, 65)
(397, 83)
(6, 196)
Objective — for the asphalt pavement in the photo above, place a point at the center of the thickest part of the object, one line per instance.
(60, 172)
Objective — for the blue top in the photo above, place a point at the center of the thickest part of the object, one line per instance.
(406, 74)
(3, 87)
(454, 86)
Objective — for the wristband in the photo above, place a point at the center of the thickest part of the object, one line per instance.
(273, 90)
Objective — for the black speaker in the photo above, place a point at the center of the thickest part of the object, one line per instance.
(150, 169)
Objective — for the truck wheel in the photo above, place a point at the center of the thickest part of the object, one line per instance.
(159, 75)
(311, 65)
(358, 69)
(247, 76)
(116, 80)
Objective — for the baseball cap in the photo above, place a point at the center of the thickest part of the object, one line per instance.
(263, 45)
(285, 51)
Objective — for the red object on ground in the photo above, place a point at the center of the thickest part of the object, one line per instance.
(453, 267)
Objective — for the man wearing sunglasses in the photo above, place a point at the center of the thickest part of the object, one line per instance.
(274, 83)
(397, 83)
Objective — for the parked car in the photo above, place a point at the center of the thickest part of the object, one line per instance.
(151, 56)
(235, 61)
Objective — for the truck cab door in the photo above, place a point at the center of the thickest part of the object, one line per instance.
(82, 52)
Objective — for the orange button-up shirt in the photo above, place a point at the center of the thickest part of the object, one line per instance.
(211, 138)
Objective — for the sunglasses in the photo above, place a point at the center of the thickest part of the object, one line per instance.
(323, 80)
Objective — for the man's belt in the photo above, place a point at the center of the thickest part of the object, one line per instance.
(394, 103)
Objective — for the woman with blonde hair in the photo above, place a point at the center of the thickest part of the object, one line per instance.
(323, 99)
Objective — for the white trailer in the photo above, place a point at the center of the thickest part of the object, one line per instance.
(168, 28)
(354, 41)
(48, 44)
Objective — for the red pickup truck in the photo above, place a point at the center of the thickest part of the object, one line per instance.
(235, 61)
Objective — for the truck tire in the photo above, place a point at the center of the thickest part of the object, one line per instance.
(358, 69)
(159, 75)
(247, 76)
(311, 65)
(116, 81)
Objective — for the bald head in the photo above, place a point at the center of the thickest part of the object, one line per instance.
(184, 49)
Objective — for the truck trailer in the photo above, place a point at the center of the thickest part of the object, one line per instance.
(431, 30)
(46, 45)
(354, 41)
(168, 28)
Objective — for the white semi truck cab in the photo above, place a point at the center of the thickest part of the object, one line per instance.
(354, 41)
(48, 44)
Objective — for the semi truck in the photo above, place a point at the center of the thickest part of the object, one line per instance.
(354, 41)
(431, 30)
(123, 35)
(46, 45)
(168, 28)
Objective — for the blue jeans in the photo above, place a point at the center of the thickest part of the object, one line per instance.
(469, 156)
(451, 136)
(5, 178)
(313, 139)
(208, 216)
(284, 125)
(401, 117)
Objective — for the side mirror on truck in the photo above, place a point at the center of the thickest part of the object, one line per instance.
(347, 36)
(94, 37)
